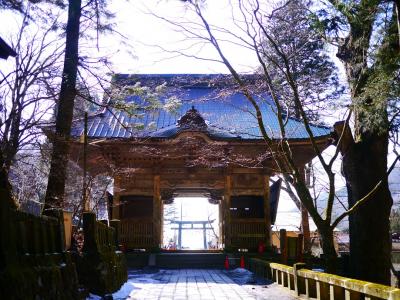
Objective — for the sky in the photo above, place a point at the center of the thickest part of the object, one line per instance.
(148, 35)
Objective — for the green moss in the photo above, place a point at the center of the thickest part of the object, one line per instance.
(38, 282)
(38, 275)
(102, 272)
(378, 290)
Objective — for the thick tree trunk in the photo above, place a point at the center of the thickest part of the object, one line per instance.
(365, 159)
(364, 165)
(59, 158)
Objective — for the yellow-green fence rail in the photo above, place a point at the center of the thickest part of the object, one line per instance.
(317, 285)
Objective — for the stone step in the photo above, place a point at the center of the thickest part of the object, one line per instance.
(136, 260)
(190, 260)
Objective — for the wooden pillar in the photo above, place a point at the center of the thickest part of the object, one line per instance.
(283, 245)
(221, 223)
(299, 248)
(157, 212)
(161, 222)
(116, 202)
(305, 228)
(180, 236)
(267, 212)
(204, 236)
(227, 211)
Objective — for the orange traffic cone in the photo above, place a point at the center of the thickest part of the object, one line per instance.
(226, 264)
(242, 262)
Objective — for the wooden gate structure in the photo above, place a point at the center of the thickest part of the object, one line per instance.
(203, 140)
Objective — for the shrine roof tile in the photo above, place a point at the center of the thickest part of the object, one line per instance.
(227, 113)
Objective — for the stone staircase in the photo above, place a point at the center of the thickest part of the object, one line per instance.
(180, 259)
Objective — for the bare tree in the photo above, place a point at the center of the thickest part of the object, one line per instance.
(27, 91)
(252, 19)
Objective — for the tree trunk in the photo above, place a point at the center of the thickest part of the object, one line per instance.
(397, 10)
(6, 197)
(328, 247)
(364, 165)
(305, 229)
(365, 159)
(305, 224)
(59, 159)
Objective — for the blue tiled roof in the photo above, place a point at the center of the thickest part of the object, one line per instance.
(228, 115)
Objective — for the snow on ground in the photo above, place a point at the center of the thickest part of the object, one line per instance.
(136, 278)
(242, 276)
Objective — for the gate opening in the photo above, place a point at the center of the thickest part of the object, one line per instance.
(191, 223)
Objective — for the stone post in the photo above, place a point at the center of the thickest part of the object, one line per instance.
(67, 220)
(8, 235)
(89, 231)
(60, 234)
(116, 224)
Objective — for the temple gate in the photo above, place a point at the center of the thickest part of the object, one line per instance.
(210, 146)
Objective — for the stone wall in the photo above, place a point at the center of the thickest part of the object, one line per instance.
(33, 264)
(101, 268)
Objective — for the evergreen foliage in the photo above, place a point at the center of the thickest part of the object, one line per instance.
(292, 29)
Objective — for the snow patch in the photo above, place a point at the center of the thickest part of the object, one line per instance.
(136, 280)
(242, 276)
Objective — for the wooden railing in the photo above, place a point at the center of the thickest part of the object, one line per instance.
(136, 233)
(317, 285)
